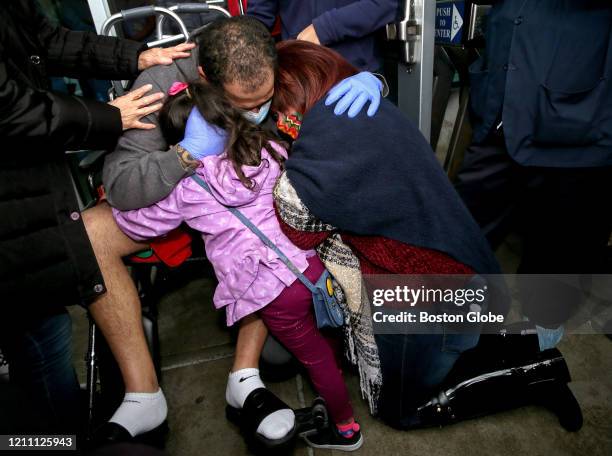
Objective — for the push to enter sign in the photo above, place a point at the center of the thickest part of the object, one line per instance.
(449, 22)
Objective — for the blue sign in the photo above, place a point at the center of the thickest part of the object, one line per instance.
(449, 22)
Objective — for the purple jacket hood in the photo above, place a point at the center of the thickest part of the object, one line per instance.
(226, 186)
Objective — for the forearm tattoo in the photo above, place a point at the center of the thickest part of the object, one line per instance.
(185, 158)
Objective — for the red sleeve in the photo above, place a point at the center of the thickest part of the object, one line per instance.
(391, 256)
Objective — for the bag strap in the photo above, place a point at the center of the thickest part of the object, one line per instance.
(265, 239)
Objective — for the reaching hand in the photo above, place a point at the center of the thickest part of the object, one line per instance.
(354, 92)
(163, 56)
(134, 106)
(201, 138)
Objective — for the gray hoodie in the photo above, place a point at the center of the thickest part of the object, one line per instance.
(143, 169)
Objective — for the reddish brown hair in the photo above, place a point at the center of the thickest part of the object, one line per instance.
(306, 72)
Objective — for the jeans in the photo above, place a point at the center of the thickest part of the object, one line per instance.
(40, 362)
(413, 367)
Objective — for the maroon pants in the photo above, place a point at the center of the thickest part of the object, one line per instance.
(290, 318)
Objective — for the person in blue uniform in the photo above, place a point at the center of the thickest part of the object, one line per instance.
(347, 26)
(541, 158)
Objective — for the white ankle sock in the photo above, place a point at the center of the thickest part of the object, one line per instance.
(239, 386)
(141, 412)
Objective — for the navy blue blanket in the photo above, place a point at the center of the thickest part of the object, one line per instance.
(379, 177)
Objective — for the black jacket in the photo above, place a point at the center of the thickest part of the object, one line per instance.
(46, 259)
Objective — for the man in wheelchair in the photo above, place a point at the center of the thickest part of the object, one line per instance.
(238, 55)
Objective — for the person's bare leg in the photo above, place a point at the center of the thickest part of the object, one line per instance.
(117, 313)
(251, 339)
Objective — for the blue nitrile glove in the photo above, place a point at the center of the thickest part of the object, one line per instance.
(354, 92)
(201, 138)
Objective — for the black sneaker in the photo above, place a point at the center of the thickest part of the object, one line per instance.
(330, 439)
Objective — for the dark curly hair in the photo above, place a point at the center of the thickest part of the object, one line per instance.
(245, 139)
(238, 49)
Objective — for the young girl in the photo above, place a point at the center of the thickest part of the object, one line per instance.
(251, 276)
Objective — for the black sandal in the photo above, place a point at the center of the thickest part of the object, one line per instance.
(259, 404)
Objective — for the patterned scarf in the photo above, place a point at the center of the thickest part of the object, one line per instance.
(341, 262)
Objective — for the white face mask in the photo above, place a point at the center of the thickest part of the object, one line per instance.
(258, 117)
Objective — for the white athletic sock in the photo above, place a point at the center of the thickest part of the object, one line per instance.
(239, 386)
(141, 412)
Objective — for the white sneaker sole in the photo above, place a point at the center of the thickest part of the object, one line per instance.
(352, 447)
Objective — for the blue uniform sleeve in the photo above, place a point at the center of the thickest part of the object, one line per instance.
(353, 21)
(263, 10)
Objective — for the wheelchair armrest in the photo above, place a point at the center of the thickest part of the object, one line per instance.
(93, 160)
